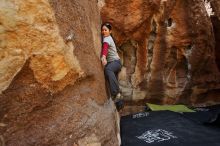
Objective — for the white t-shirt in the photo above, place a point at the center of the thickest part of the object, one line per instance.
(112, 51)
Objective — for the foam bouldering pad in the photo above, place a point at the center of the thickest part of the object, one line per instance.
(174, 108)
(166, 128)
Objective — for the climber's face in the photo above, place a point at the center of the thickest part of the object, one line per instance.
(105, 31)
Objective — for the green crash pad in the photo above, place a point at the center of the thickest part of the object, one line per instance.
(174, 108)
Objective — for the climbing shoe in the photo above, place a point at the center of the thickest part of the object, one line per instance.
(119, 103)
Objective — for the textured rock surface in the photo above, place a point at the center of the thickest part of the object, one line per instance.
(216, 7)
(174, 50)
(51, 79)
(216, 25)
(35, 35)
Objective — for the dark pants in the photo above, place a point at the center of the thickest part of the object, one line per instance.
(111, 71)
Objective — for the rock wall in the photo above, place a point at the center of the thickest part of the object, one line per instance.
(52, 88)
(215, 4)
(173, 49)
(216, 26)
(51, 81)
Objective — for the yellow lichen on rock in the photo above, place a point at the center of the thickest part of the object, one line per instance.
(28, 31)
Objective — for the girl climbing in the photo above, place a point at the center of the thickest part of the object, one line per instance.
(111, 62)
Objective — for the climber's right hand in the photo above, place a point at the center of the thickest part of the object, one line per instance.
(104, 61)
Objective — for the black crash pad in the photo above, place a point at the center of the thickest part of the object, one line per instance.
(166, 128)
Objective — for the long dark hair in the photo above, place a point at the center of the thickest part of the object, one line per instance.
(108, 25)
